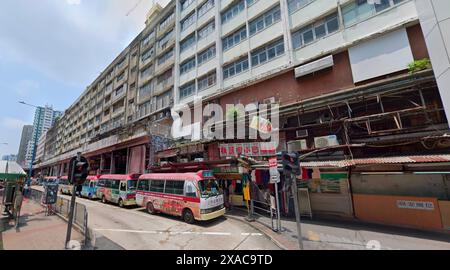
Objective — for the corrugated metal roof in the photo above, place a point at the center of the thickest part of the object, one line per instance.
(381, 160)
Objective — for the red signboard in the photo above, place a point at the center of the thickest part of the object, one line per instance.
(247, 149)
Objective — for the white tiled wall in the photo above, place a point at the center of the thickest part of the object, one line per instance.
(435, 20)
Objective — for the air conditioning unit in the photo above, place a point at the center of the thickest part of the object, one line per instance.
(199, 160)
(299, 145)
(269, 101)
(302, 133)
(164, 163)
(184, 160)
(326, 141)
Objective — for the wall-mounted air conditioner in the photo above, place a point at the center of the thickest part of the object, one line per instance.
(296, 146)
(326, 141)
(312, 67)
(302, 133)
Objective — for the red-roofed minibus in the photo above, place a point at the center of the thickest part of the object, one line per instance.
(89, 189)
(118, 189)
(192, 196)
(64, 186)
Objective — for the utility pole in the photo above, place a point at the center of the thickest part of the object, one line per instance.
(72, 202)
(294, 190)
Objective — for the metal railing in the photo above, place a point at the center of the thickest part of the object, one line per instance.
(62, 208)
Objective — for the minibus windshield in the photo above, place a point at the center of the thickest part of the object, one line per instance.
(209, 188)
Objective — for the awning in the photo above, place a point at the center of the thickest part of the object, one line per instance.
(374, 161)
(11, 171)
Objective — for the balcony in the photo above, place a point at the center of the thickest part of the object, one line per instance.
(118, 111)
(163, 86)
(165, 47)
(162, 31)
(119, 93)
(111, 126)
(161, 68)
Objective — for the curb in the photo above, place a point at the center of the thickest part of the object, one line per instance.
(267, 232)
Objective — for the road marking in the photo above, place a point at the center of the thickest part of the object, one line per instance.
(176, 233)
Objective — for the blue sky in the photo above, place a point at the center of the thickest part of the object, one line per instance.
(51, 50)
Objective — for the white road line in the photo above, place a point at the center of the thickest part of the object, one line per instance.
(176, 233)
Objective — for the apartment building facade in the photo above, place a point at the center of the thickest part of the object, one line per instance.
(109, 122)
(27, 132)
(44, 119)
(338, 69)
(365, 121)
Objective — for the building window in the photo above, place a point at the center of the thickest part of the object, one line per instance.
(207, 81)
(235, 38)
(147, 54)
(187, 90)
(185, 4)
(187, 43)
(206, 55)
(146, 90)
(315, 31)
(188, 21)
(165, 57)
(120, 77)
(203, 9)
(187, 66)
(166, 21)
(147, 71)
(148, 38)
(295, 5)
(266, 20)
(165, 78)
(206, 30)
(268, 52)
(361, 9)
(235, 68)
(162, 43)
(233, 11)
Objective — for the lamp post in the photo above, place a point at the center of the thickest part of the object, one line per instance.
(35, 140)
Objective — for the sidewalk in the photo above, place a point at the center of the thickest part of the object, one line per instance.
(322, 234)
(36, 231)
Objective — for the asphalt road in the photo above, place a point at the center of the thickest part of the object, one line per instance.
(134, 229)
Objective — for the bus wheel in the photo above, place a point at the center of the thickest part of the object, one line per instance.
(150, 208)
(188, 217)
(103, 199)
(121, 203)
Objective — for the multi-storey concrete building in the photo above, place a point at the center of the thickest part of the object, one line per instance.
(44, 118)
(345, 73)
(27, 132)
(109, 122)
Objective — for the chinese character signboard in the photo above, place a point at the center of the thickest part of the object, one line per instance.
(247, 149)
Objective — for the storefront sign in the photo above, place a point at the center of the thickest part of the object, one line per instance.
(429, 206)
(247, 149)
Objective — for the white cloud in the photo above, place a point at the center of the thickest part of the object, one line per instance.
(74, 2)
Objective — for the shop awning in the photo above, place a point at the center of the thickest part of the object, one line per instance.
(11, 171)
(375, 161)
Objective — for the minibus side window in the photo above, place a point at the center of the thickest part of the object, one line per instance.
(175, 187)
(123, 186)
(157, 186)
(190, 190)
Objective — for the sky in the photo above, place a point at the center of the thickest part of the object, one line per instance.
(51, 50)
